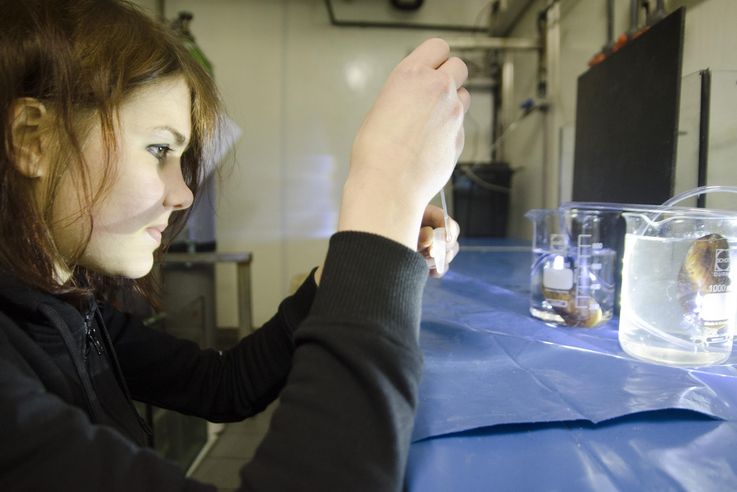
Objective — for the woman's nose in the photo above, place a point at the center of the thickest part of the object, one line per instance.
(178, 195)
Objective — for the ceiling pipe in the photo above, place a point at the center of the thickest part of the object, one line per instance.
(396, 25)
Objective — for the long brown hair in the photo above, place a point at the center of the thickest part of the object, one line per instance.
(83, 58)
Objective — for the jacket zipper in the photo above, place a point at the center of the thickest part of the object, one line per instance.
(115, 366)
(91, 336)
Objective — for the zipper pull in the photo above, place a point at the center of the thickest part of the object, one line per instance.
(91, 334)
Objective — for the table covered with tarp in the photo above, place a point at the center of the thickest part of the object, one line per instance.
(508, 402)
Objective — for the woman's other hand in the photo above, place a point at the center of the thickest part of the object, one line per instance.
(433, 219)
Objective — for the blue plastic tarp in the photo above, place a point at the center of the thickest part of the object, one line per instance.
(489, 363)
(664, 450)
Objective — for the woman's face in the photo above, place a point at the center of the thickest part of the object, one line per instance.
(153, 131)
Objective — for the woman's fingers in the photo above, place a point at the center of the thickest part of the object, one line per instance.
(432, 220)
(465, 98)
(456, 69)
(432, 53)
(433, 217)
(425, 239)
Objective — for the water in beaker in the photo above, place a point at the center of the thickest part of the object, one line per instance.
(567, 293)
(678, 287)
(572, 274)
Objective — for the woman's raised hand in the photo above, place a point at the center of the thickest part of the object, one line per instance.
(407, 146)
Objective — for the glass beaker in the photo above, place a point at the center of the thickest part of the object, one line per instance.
(573, 265)
(678, 287)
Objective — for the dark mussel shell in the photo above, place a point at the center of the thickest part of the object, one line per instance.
(564, 305)
(705, 271)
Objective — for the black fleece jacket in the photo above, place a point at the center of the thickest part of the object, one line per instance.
(343, 358)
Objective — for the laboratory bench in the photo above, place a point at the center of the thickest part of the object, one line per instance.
(508, 402)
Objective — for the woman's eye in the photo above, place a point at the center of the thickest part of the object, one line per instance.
(159, 151)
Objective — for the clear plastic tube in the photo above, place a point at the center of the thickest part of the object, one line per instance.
(698, 191)
(445, 214)
(669, 204)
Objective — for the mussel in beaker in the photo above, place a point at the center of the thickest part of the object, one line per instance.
(578, 312)
(704, 279)
(561, 290)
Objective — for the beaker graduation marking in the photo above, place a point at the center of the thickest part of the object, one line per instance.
(582, 270)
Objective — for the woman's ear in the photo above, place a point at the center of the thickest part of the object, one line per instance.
(29, 120)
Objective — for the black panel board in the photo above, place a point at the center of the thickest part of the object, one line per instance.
(627, 119)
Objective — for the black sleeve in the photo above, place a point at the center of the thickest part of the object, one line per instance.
(221, 387)
(346, 413)
(47, 444)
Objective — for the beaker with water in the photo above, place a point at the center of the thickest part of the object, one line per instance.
(572, 273)
(678, 302)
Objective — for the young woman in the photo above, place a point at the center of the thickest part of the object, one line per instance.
(106, 122)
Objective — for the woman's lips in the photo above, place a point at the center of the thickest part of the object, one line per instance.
(154, 233)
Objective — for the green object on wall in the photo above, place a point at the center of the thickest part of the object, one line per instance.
(198, 55)
(181, 26)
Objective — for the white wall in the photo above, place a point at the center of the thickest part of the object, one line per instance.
(581, 32)
(299, 88)
(711, 39)
(710, 42)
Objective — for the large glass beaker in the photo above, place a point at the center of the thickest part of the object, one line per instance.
(678, 285)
